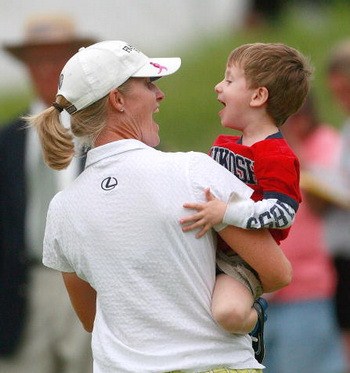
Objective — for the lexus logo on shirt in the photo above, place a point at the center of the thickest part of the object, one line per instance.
(109, 183)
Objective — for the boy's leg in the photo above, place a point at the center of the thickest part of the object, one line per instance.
(232, 305)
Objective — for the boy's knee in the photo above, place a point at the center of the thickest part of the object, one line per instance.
(230, 318)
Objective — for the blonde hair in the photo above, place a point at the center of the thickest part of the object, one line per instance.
(283, 70)
(57, 141)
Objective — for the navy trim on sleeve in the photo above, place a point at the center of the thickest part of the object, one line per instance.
(282, 198)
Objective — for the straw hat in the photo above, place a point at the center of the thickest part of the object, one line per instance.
(47, 30)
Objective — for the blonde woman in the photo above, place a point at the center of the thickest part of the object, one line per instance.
(136, 281)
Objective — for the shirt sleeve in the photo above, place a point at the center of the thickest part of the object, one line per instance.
(53, 256)
(268, 213)
(277, 173)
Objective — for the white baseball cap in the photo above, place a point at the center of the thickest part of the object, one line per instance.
(94, 71)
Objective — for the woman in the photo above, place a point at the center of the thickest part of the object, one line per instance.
(141, 285)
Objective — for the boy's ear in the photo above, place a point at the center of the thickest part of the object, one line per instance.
(259, 97)
(116, 99)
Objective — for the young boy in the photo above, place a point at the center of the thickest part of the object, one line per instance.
(264, 84)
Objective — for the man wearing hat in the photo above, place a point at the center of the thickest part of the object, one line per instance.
(38, 328)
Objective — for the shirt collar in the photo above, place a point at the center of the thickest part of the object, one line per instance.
(276, 135)
(113, 148)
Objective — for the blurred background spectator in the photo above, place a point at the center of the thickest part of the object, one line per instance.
(264, 12)
(338, 219)
(160, 26)
(301, 333)
(39, 332)
(203, 33)
(270, 12)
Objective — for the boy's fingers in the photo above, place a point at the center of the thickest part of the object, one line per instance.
(190, 219)
(203, 231)
(195, 225)
(188, 228)
(209, 196)
(194, 206)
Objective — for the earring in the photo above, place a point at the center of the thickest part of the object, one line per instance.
(121, 110)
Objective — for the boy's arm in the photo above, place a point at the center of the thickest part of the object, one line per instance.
(208, 214)
(267, 213)
(242, 213)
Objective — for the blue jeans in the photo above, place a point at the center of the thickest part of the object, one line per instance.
(303, 337)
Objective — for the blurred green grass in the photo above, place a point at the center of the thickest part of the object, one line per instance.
(13, 104)
(188, 117)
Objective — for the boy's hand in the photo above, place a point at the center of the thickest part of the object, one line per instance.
(208, 214)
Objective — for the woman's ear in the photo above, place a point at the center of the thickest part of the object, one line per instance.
(116, 99)
(259, 97)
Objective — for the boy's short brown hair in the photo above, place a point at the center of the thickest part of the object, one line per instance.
(283, 70)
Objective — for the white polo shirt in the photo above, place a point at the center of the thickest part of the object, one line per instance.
(117, 226)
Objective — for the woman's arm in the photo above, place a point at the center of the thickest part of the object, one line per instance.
(261, 252)
(83, 299)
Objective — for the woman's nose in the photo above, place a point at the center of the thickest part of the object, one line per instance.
(159, 94)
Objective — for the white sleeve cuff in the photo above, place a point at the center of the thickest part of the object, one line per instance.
(238, 211)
